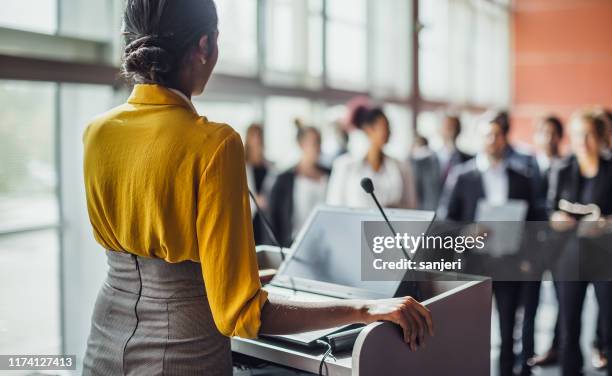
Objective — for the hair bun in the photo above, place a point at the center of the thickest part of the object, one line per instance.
(146, 58)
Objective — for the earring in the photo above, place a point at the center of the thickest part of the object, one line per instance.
(203, 61)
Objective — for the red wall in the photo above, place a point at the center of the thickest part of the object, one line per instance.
(562, 59)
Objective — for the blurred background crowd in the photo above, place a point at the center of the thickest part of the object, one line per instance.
(452, 183)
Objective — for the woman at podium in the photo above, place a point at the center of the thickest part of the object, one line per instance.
(167, 198)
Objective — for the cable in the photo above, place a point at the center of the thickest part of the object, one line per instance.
(135, 309)
(268, 226)
(327, 354)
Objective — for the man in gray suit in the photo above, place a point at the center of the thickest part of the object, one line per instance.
(431, 169)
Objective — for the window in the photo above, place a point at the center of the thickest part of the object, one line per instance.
(294, 33)
(464, 52)
(29, 313)
(237, 114)
(433, 52)
(492, 55)
(29, 215)
(400, 120)
(281, 113)
(445, 56)
(237, 36)
(32, 15)
(90, 19)
(28, 178)
(390, 47)
(346, 47)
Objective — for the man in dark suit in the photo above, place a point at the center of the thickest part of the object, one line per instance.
(431, 169)
(493, 177)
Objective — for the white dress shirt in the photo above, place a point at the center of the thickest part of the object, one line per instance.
(393, 183)
(444, 156)
(494, 180)
(307, 194)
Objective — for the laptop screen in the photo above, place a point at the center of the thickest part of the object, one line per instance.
(328, 248)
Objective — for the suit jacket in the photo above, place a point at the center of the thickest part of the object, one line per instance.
(281, 205)
(468, 189)
(565, 184)
(430, 179)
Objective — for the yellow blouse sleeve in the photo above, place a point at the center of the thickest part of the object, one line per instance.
(226, 245)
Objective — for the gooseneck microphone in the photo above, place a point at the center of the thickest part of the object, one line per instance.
(268, 226)
(368, 187)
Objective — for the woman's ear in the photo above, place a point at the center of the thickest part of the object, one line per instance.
(203, 50)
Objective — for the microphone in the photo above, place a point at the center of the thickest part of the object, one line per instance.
(268, 226)
(368, 187)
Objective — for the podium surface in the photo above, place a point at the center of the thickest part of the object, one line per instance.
(461, 312)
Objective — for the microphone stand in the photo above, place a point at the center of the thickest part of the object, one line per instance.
(368, 187)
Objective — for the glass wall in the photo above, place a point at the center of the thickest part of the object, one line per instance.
(29, 219)
(32, 15)
(464, 52)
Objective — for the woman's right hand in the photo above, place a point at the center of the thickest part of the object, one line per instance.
(414, 318)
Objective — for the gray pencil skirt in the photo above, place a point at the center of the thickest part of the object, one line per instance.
(153, 318)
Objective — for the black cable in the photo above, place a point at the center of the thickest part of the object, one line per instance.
(135, 309)
(268, 226)
(327, 353)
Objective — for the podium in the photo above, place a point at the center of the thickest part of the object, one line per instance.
(461, 311)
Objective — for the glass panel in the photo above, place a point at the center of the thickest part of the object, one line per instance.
(460, 51)
(346, 57)
(433, 53)
(492, 55)
(464, 52)
(280, 130)
(237, 36)
(239, 115)
(350, 11)
(89, 19)
(29, 288)
(294, 42)
(28, 178)
(33, 15)
(428, 126)
(400, 120)
(390, 47)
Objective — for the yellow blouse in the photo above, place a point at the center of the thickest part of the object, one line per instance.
(162, 181)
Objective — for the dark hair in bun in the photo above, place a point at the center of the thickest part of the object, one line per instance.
(363, 116)
(160, 33)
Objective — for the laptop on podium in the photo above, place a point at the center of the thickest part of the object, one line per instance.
(325, 262)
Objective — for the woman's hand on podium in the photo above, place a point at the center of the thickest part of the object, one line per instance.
(414, 318)
(283, 316)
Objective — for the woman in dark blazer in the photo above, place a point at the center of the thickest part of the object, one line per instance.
(584, 178)
(298, 190)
